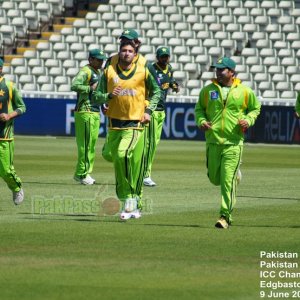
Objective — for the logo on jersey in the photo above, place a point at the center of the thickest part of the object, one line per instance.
(165, 86)
(127, 92)
(2, 93)
(214, 95)
(116, 79)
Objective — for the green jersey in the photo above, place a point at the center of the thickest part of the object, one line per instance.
(241, 104)
(81, 84)
(10, 100)
(166, 81)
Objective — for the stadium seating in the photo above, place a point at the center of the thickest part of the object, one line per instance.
(262, 36)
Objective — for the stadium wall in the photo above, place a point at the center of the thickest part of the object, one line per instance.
(55, 117)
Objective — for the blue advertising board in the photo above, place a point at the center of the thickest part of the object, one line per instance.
(276, 124)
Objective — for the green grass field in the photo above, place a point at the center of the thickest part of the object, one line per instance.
(172, 252)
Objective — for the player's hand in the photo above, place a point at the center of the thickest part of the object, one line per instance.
(205, 126)
(297, 115)
(146, 118)
(4, 117)
(244, 124)
(116, 91)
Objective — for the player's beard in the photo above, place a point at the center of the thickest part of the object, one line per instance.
(223, 80)
(126, 61)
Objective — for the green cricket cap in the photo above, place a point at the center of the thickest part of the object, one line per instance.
(1, 63)
(225, 62)
(162, 51)
(97, 53)
(129, 34)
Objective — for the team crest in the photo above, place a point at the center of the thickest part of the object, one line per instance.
(116, 79)
(2, 93)
(214, 95)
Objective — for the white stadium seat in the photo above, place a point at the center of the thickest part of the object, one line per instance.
(262, 36)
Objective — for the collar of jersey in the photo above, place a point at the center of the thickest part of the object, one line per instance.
(126, 74)
(164, 71)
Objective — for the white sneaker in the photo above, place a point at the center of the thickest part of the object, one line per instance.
(18, 197)
(149, 182)
(125, 215)
(88, 180)
(130, 205)
(136, 214)
(239, 176)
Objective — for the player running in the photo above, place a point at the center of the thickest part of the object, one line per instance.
(225, 110)
(164, 76)
(87, 117)
(11, 106)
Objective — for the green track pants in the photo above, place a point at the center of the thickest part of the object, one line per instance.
(86, 130)
(127, 149)
(106, 152)
(222, 165)
(153, 137)
(7, 171)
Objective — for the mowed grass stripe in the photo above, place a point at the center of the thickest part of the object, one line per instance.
(173, 252)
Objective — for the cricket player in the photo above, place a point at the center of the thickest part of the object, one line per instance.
(87, 116)
(164, 76)
(127, 35)
(11, 106)
(126, 118)
(225, 109)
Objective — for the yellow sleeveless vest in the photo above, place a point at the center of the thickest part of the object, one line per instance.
(130, 104)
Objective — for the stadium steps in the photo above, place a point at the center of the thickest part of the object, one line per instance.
(21, 50)
(59, 27)
(45, 35)
(8, 58)
(33, 43)
(70, 20)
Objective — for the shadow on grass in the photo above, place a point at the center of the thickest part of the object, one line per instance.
(268, 226)
(174, 225)
(62, 183)
(115, 219)
(108, 219)
(270, 198)
(102, 219)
